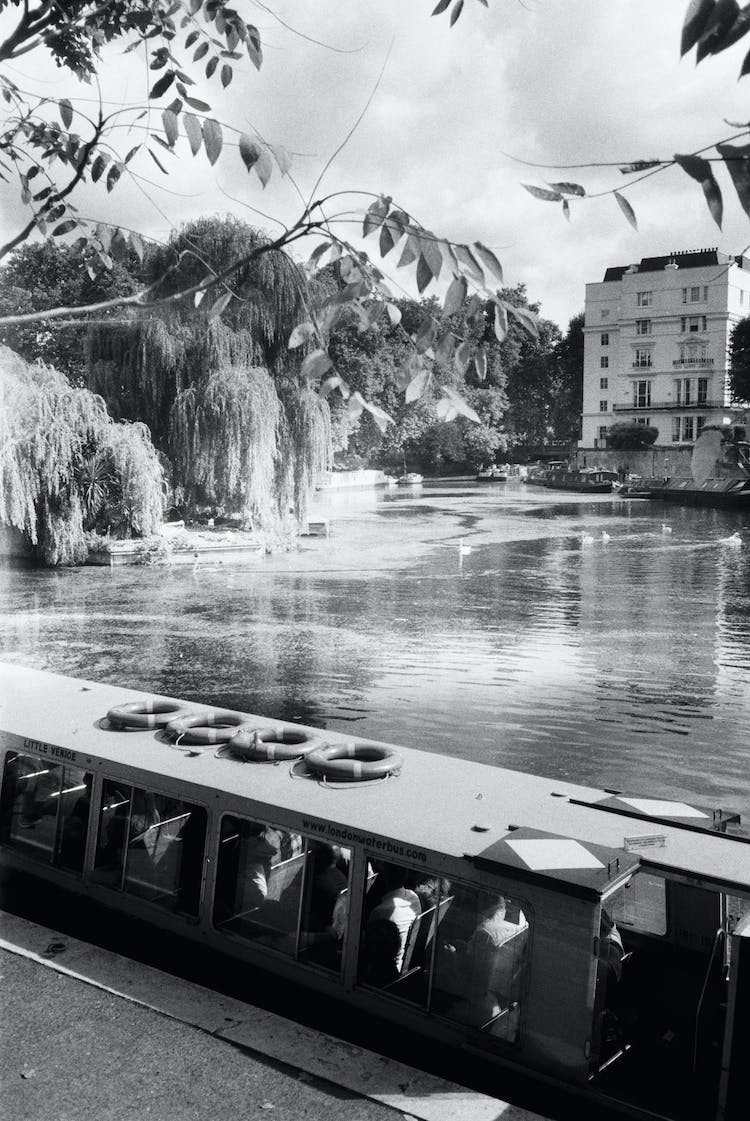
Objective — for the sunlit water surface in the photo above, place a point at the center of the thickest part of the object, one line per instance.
(620, 663)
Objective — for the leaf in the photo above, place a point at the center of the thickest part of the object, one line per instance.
(161, 86)
(318, 252)
(98, 167)
(66, 112)
(375, 215)
(528, 320)
(386, 240)
(460, 406)
(639, 165)
(442, 5)
(455, 296)
(737, 160)
(431, 252)
(458, 7)
(417, 386)
(301, 333)
(316, 364)
(217, 307)
(425, 335)
(157, 161)
(201, 106)
(200, 52)
(480, 363)
(446, 344)
(113, 175)
(410, 252)
(193, 131)
(170, 121)
(354, 406)
(696, 19)
(211, 66)
(263, 166)
(721, 31)
(380, 416)
(424, 274)
(627, 209)
(469, 263)
(329, 385)
(700, 170)
(568, 189)
(501, 323)
(65, 227)
(462, 357)
(212, 139)
(249, 150)
(282, 157)
(226, 74)
(566, 209)
(394, 314)
(136, 242)
(489, 261)
(542, 193)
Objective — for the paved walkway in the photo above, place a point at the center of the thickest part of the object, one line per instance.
(89, 1035)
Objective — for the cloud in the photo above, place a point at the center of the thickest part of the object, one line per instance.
(583, 81)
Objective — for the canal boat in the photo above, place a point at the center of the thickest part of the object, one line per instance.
(410, 479)
(584, 480)
(493, 474)
(719, 471)
(595, 940)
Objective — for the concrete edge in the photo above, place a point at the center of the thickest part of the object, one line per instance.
(386, 1081)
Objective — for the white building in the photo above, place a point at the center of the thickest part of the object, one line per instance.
(656, 340)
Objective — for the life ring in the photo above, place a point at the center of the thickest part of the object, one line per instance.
(204, 728)
(144, 714)
(273, 744)
(353, 762)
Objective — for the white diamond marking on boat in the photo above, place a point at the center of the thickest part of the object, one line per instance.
(656, 808)
(550, 854)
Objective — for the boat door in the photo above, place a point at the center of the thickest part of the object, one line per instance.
(661, 1024)
(734, 1082)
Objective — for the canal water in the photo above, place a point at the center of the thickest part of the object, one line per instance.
(590, 638)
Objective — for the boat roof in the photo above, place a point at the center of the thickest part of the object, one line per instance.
(571, 837)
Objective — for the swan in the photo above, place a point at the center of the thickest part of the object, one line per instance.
(735, 540)
(587, 539)
(463, 550)
(605, 536)
(666, 528)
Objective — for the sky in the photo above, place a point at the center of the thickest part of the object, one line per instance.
(455, 117)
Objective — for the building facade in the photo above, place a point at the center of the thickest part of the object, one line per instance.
(656, 345)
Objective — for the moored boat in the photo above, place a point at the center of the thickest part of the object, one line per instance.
(581, 937)
(410, 479)
(584, 480)
(493, 474)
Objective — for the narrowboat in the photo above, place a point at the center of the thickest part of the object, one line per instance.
(584, 480)
(410, 479)
(595, 940)
(493, 474)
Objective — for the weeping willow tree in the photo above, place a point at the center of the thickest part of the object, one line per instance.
(64, 464)
(221, 395)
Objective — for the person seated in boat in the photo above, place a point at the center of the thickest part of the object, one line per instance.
(328, 882)
(397, 906)
(257, 856)
(430, 889)
(484, 972)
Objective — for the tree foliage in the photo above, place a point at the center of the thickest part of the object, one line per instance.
(739, 361)
(629, 436)
(63, 461)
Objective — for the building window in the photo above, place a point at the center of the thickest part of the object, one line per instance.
(604, 362)
(641, 394)
(603, 407)
(702, 391)
(643, 326)
(642, 358)
(692, 355)
(605, 338)
(675, 430)
(643, 299)
(690, 324)
(697, 294)
(602, 430)
(604, 383)
(687, 428)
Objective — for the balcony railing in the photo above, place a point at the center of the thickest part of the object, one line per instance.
(692, 362)
(664, 406)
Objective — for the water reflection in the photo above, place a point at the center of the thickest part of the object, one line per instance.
(621, 663)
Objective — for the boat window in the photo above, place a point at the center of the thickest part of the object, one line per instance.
(641, 905)
(456, 950)
(45, 810)
(151, 846)
(481, 962)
